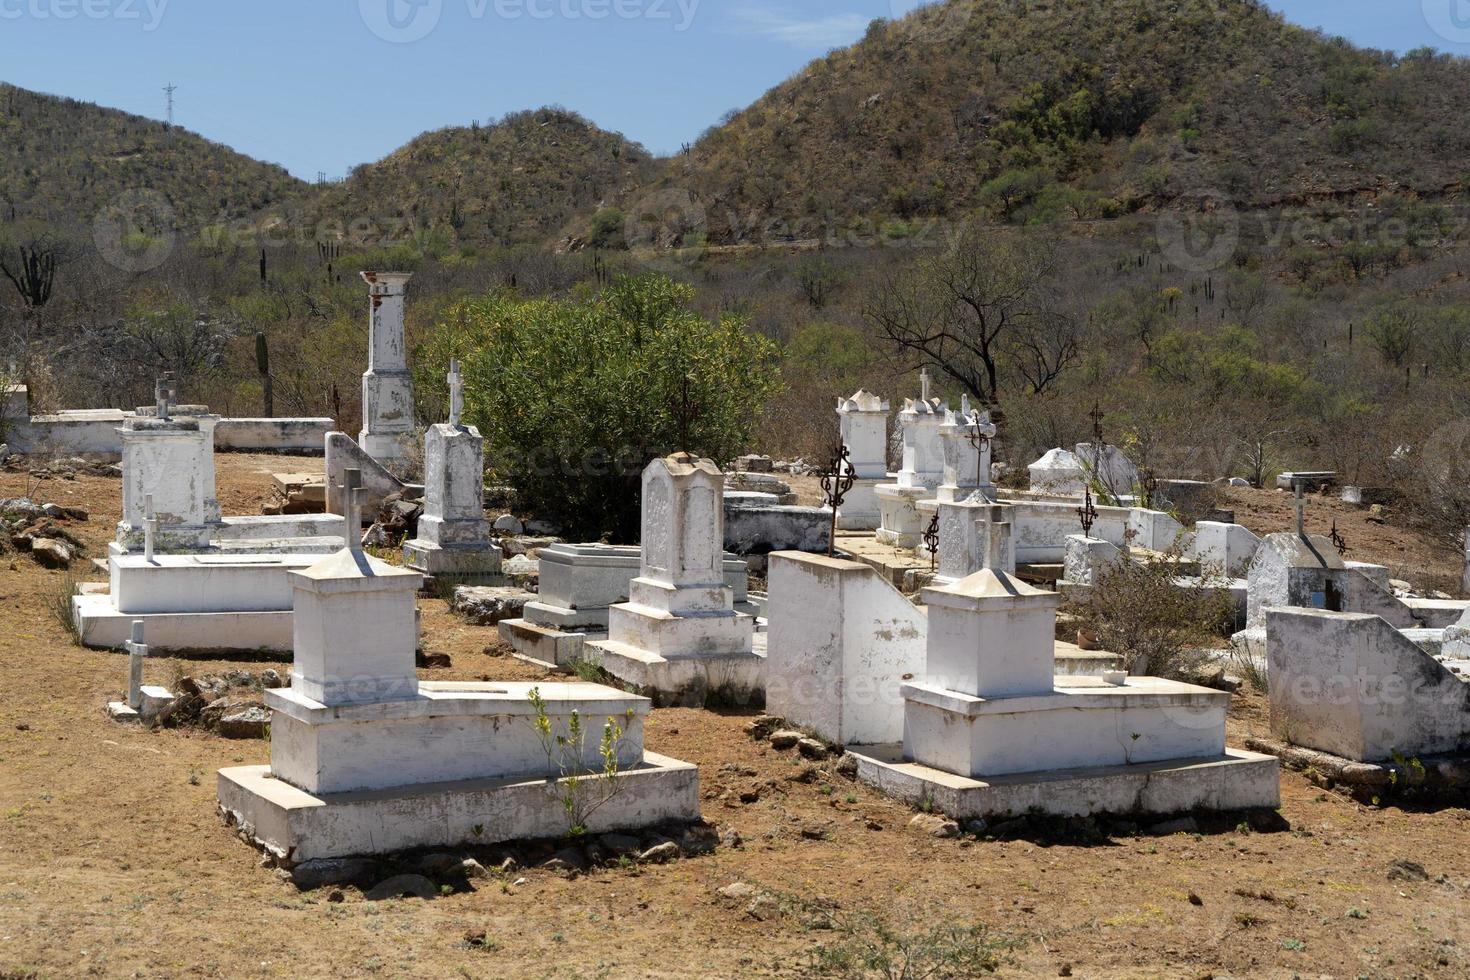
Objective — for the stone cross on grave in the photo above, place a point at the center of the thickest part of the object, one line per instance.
(1299, 504)
(456, 393)
(924, 384)
(137, 651)
(351, 487)
(162, 397)
(150, 528)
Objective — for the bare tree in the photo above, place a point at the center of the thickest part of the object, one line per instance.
(985, 302)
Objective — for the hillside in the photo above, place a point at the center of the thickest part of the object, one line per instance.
(517, 181)
(1079, 108)
(62, 161)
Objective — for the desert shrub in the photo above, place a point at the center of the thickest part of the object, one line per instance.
(575, 397)
(1136, 609)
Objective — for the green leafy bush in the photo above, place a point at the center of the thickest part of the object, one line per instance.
(575, 397)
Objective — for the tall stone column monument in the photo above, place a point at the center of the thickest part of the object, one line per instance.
(387, 388)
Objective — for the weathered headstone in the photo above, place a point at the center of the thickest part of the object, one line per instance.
(453, 534)
(387, 387)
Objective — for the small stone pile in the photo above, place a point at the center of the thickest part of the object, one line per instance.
(62, 469)
(228, 705)
(37, 529)
(769, 728)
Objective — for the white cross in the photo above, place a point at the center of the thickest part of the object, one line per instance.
(924, 384)
(150, 528)
(964, 405)
(162, 393)
(351, 486)
(456, 394)
(137, 650)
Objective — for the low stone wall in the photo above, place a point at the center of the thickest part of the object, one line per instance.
(95, 434)
(761, 529)
(272, 435)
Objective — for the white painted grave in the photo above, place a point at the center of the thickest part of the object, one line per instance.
(453, 535)
(863, 422)
(1059, 472)
(965, 437)
(991, 730)
(901, 524)
(367, 759)
(679, 634)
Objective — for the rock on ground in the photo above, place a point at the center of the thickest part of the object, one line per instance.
(51, 553)
(490, 605)
(933, 825)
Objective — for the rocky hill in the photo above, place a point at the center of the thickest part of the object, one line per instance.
(63, 161)
(1032, 109)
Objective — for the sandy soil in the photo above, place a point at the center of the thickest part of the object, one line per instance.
(113, 863)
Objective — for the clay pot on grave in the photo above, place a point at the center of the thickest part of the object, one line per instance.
(1087, 640)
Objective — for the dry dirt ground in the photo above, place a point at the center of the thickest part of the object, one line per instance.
(112, 861)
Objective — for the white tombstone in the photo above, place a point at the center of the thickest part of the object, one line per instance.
(1088, 559)
(387, 388)
(974, 534)
(355, 616)
(170, 460)
(900, 523)
(966, 437)
(453, 535)
(1058, 472)
(679, 634)
(863, 422)
(1111, 472)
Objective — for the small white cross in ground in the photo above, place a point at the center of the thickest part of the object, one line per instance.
(137, 651)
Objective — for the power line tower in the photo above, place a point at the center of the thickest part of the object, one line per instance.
(169, 90)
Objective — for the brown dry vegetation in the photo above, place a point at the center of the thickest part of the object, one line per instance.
(112, 861)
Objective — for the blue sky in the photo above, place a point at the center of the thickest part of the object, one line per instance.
(321, 85)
